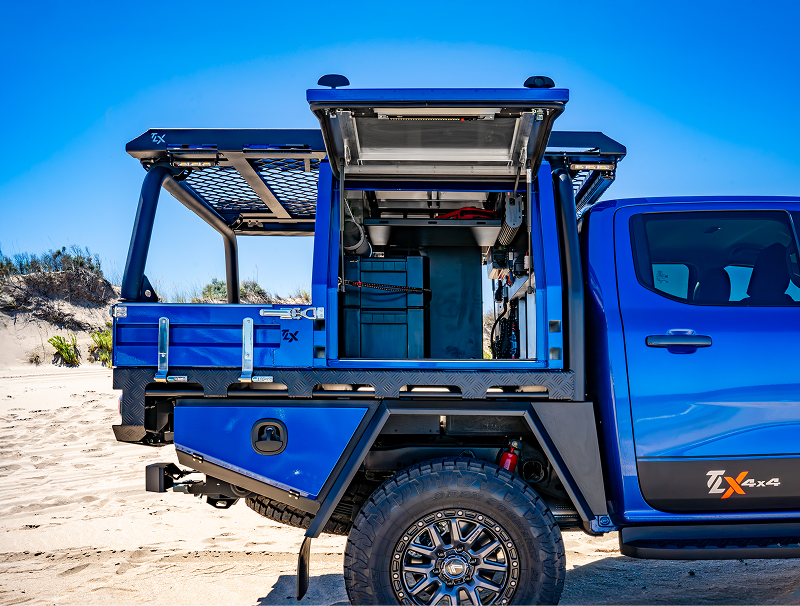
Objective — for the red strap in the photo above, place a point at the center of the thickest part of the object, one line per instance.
(468, 212)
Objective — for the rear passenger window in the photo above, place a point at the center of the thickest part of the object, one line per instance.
(745, 258)
(740, 279)
(671, 278)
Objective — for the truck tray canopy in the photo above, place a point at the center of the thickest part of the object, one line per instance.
(436, 134)
(264, 181)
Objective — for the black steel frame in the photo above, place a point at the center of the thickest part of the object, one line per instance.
(170, 156)
(233, 159)
(564, 430)
(158, 177)
(590, 159)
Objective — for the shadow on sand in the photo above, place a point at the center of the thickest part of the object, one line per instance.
(623, 580)
(327, 589)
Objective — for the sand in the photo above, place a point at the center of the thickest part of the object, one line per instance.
(77, 527)
(22, 336)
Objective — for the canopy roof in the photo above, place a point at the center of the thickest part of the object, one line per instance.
(264, 181)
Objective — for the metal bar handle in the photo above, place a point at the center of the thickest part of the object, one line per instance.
(247, 351)
(678, 341)
(163, 350)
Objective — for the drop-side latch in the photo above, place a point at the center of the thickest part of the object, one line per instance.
(295, 313)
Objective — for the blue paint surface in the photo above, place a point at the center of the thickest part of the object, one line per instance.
(718, 400)
(463, 95)
(738, 398)
(317, 436)
(211, 336)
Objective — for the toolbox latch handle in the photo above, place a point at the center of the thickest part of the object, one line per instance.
(269, 436)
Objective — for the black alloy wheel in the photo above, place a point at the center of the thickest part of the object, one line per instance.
(456, 554)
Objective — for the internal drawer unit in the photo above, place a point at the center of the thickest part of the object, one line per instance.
(385, 324)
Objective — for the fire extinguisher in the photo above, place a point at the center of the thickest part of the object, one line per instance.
(510, 458)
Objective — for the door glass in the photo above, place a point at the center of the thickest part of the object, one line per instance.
(740, 279)
(741, 258)
(671, 278)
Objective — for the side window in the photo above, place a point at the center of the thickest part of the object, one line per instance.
(671, 278)
(743, 258)
(740, 280)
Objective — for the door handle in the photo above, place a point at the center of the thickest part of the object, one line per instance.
(678, 341)
(269, 437)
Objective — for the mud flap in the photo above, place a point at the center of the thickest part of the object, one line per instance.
(303, 562)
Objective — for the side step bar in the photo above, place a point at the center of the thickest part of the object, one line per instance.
(712, 542)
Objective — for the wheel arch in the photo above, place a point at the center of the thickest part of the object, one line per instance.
(566, 432)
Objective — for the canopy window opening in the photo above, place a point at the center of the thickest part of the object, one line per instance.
(418, 288)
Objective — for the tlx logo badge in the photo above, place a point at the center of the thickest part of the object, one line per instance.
(289, 336)
(735, 485)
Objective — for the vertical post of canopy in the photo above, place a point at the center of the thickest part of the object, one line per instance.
(324, 286)
(142, 231)
(573, 277)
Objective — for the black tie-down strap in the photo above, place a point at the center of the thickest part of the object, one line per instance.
(388, 287)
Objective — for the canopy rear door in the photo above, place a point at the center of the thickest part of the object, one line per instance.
(436, 134)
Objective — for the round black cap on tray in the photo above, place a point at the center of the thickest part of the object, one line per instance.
(539, 82)
(334, 80)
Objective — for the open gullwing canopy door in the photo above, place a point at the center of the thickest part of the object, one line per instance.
(436, 134)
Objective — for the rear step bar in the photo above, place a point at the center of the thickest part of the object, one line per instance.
(712, 542)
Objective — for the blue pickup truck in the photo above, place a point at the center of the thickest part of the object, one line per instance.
(490, 354)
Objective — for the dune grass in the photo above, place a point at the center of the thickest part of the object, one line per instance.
(68, 350)
(73, 259)
(101, 345)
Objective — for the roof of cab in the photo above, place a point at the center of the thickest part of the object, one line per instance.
(623, 202)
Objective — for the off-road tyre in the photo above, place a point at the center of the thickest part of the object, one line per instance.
(448, 485)
(339, 523)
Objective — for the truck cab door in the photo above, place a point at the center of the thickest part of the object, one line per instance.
(710, 306)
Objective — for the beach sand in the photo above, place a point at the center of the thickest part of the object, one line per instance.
(77, 527)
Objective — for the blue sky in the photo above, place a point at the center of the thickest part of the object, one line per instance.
(703, 94)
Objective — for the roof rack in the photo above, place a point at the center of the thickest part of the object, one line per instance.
(591, 159)
(264, 181)
(257, 180)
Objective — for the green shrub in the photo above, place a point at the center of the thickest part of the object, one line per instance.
(250, 289)
(101, 346)
(216, 289)
(68, 350)
(73, 259)
(301, 293)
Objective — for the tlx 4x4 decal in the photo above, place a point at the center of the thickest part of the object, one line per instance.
(735, 485)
